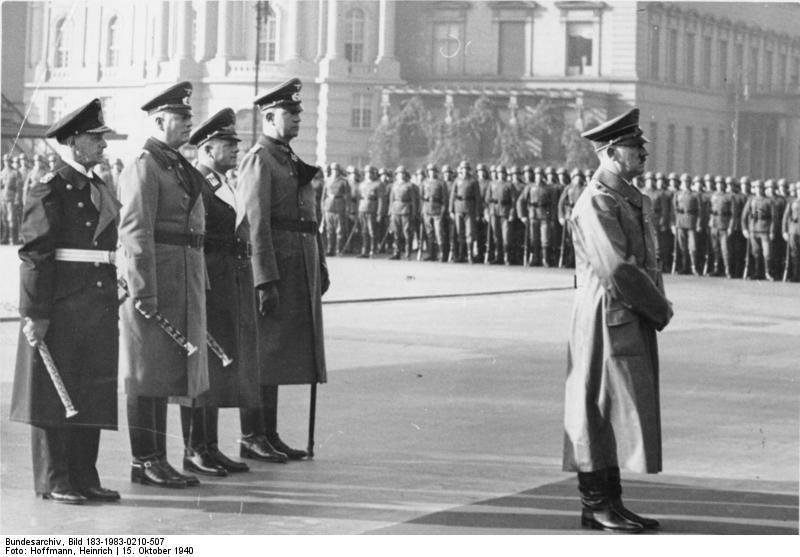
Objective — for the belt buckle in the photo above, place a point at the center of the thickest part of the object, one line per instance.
(112, 257)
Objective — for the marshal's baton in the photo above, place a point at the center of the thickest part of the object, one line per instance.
(58, 383)
(218, 350)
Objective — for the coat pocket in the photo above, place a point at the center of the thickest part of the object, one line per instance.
(624, 333)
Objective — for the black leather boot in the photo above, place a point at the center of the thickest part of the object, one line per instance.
(615, 494)
(598, 513)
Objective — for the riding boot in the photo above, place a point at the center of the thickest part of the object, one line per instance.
(615, 495)
(597, 511)
(693, 261)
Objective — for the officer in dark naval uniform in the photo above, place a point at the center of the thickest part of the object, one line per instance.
(68, 300)
(230, 304)
(289, 268)
(162, 222)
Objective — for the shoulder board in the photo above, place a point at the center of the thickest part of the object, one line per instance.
(47, 177)
(213, 181)
(144, 153)
(256, 148)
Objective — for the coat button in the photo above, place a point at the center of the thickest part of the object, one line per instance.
(94, 243)
(88, 223)
(80, 204)
(99, 284)
(96, 264)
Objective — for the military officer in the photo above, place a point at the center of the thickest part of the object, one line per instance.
(612, 417)
(434, 213)
(465, 208)
(161, 229)
(403, 208)
(686, 211)
(371, 198)
(385, 228)
(776, 194)
(484, 181)
(566, 203)
(759, 226)
(289, 268)
(790, 227)
(336, 201)
(10, 188)
(720, 223)
(230, 305)
(535, 206)
(69, 301)
(738, 245)
(499, 201)
(663, 214)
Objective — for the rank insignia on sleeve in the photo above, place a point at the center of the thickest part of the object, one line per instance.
(213, 181)
(47, 177)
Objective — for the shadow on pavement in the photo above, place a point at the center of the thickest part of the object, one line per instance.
(554, 508)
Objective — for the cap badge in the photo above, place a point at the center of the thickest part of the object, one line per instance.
(296, 97)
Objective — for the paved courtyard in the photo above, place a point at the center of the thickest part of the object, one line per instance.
(443, 416)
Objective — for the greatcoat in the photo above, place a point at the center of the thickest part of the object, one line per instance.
(65, 210)
(280, 205)
(612, 416)
(160, 195)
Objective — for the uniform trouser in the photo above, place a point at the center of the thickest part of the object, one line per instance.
(779, 250)
(720, 245)
(403, 233)
(199, 425)
(482, 234)
(539, 237)
(738, 245)
(793, 246)
(369, 232)
(334, 227)
(434, 230)
(687, 248)
(9, 222)
(665, 249)
(465, 234)
(499, 235)
(261, 420)
(147, 427)
(64, 458)
(760, 246)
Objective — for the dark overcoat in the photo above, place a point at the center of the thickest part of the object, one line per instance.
(161, 193)
(275, 188)
(79, 299)
(230, 302)
(612, 413)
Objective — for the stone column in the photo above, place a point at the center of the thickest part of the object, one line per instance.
(183, 46)
(321, 27)
(162, 33)
(219, 65)
(387, 65)
(333, 63)
(290, 26)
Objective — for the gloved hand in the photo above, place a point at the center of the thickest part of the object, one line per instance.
(326, 280)
(35, 330)
(268, 298)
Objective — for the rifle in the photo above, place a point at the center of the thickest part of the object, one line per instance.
(563, 244)
(420, 235)
(786, 259)
(526, 249)
(385, 236)
(746, 273)
(488, 239)
(356, 226)
(675, 251)
(708, 251)
(451, 229)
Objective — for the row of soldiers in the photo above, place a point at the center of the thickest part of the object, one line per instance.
(490, 214)
(20, 173)
(706, 225)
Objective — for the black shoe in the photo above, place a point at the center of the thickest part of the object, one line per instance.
(259, 448)
(100, 494)
(292, 454)
(647, 523)
(199, 462)
(231, 466)
(151, 472)
(395, 256)
(66, 497)
(191, 481)
(607, 518)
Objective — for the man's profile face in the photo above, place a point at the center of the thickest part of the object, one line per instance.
(223, 152)
(87, 149)
(177, 127)
(630, 159)
(285, 122)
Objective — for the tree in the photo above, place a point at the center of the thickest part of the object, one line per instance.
(405, 138)
(579, 151)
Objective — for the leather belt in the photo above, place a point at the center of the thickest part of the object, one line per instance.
(180, 239)
(291, 225)
(234, 246)
(86, 256)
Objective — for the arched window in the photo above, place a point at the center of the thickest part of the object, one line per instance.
(61, 59)
(112, 42)
(354, 36)
(268, 40)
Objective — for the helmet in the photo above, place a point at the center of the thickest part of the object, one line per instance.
(446, 168)
(672, 176)
(575, 172)
(463, 164)
(648, 176)
(481, 166)
(659, 175)
(400, 170)
(431, 166)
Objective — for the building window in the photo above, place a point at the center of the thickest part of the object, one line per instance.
(672, 56)
(782, 73)
(653, 137)
(671, 148)
(448, 51)
(511, 55)
(688, 150)
(55, 109)
(580, 37)
(63, 38)
(705, 164)
(723, 150)
(268, 41)
(707, 69)
(752, 76)
(655, 51)
(794, 80)
(768, 70)
(361, 114)
(112, 42)
(738, 64)
(354, 36)
(723, 63)
(688, 76)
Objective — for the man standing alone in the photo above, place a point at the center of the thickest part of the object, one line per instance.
(612, 417)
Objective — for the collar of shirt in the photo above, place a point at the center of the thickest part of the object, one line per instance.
(80, 168)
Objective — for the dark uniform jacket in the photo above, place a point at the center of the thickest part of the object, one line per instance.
(371, 196)
(65, 211)
(686, 206)
(791, 218)
(758, 216)
(404, 199)
(466, 197)
(721, 211)
(500, 199)
(279, 203)
(336, 196)
(434, 197)
(161, 202)
(536, 202)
